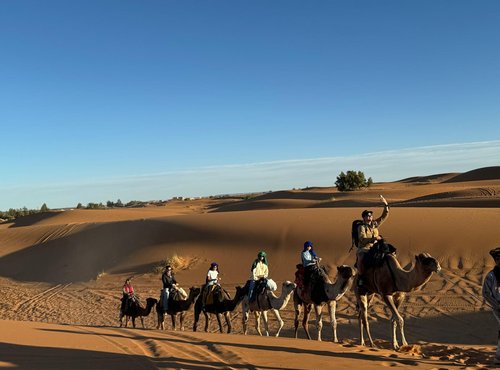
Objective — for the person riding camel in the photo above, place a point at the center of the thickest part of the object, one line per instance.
(260, 270)
(169, 283)
(211, 279)
(128, 295)
(309, 260)
(368, 235)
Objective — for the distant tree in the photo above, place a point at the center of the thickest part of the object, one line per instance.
(352, 180)
(95, 206)
(79, 206)
(44, 208)
(110, 204)
(118, 203)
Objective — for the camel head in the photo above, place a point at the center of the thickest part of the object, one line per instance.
(346, 272)
(194, 292)
(150, 302)
(240, 294)
(428, 263)
(288, 286)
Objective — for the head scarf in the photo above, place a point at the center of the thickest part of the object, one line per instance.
(257, 260)
(309, 244)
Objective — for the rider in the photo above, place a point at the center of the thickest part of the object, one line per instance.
(369, 235)
(128, 295)
(491, 294)
(211, 279)
(259, 270)
(309, 260)
(169, 282)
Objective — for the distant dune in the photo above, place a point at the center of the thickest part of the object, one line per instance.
(486, 173)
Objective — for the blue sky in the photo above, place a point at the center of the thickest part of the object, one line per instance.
(147, 100)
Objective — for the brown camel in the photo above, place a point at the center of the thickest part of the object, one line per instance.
(176, 306)
(135, 310)
(223, 306)
(391, 282)
(320, 293)
(264, 302)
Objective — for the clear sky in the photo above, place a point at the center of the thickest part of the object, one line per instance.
(151, 99)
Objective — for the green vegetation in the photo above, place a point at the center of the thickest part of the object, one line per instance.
(12, 213)
(352, 180)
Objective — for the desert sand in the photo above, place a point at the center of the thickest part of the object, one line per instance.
(61, 274)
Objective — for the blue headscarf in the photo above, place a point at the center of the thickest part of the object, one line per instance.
(309, 244)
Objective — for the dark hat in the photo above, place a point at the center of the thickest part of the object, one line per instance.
(214, 264)
(261, 254)
(308, 244)
(495, 252)
(366, 213)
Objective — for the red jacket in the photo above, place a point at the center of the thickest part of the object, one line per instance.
(128, 289)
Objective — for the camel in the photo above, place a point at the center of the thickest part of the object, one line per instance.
(176, 306)
(264, 302)
(217, 308)
(135, 310)
(392, 282)
(324, 292)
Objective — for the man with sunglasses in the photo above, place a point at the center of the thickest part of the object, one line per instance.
(368, 235)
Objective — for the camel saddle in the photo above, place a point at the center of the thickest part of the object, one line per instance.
(377, 254)
(311, 277)
(259, 288)
(215, 294)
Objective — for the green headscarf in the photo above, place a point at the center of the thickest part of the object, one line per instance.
(260, 254)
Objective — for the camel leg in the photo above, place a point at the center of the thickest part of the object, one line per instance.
(244, 317)
(257, 322)
(318, 309)
(207, 320)
(332, 307)
(398, 300)
(396, 319)
(133, 322)
(219, 321)
(363, 320)
(228, 321)
(181, 320)
(266, 323)
(173, 321)
(121, 319)
(296, 305)
(281, 323)
(196, 319)
(305, 319)
(142, 322)
(160, 321)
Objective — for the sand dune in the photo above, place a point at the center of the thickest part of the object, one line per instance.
(67, 268)
(480, 174)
